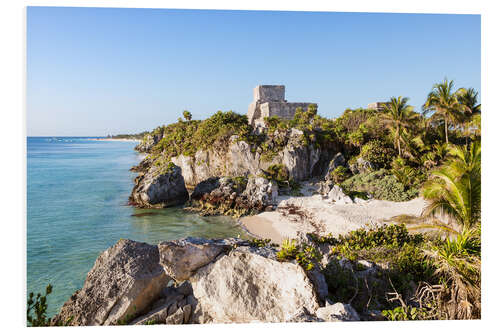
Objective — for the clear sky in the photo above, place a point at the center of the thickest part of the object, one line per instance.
(99, 71)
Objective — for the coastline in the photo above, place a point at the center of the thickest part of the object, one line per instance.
(296, 216)
(111, 139)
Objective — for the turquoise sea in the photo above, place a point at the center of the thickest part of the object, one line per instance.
(77, 207)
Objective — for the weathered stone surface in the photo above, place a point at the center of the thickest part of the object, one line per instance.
(319, 282)
(337, 196)
(176, 318)
(361, 165)
(204, 187)
(246, 287)
(234, 196)
(302, 316)
(338, 312)
(270, 101)
(148, 142)
(181, 258)
(159, 188)
(186, 309)
(261, 192)
(125, 280)
(337, 160)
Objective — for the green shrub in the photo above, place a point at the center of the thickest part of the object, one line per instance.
(39, 305)
(381, 185)
(377, 153)
(306, 255)
(340, 174)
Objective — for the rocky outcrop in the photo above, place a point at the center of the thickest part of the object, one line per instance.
(241, 160)
(337, 161)
(337, 195)
(159, 187)
(234, 196)
(244, 287)
(124, 281)
(215, 281)
(181, 258)
(148, 142)
(361, 165)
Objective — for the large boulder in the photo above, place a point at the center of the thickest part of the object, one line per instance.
(235, 196)
(181, 258)
(125, 280)
(261, 192)
(160, 186)
(338, 196)
(244, 287)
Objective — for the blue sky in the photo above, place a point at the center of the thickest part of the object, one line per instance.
(94, 71)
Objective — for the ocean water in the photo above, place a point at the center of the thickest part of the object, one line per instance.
(77, 207)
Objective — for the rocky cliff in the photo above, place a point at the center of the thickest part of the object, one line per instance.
(196, 280)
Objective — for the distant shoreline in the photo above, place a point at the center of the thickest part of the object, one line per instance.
(111, 139)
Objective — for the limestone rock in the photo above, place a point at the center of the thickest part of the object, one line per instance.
(337, 196)
(303, 316)
(261, 192)
(181, 258)
(186, 309)
(246, 287)
(338, 312)
(125, 280)
(205, 187)
(337, 160)
(361, 165)
(176, 318)
(159, 188)
(319, 282)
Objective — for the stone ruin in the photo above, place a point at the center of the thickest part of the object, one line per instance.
(270, 101)
(379, 106)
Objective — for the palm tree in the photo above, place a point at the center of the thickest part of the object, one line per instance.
(398, 115)
(468, 99)
(444, 103)
(455, 188)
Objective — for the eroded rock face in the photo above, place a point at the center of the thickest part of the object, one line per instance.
(125, 280)
(159, 188)
(181, 258)
(246, 287)
(234, 196)
(338, 196)
(240, 160)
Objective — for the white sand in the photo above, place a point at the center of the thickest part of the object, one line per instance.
(315, 214)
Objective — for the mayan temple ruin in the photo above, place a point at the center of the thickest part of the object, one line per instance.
(270, 101)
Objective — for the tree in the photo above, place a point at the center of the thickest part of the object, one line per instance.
(455, 188)
(397, 116)
(468, 99)
(187, 115)
(444, 103)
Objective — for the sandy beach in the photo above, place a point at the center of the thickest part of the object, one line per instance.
(314, 213)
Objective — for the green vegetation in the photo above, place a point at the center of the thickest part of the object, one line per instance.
(39, 305)
(279, 174)
(340, 174)
(187, 137)
(455, 188)
(417, 276)
(381, 184)
(398, 116)
(306, 255)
